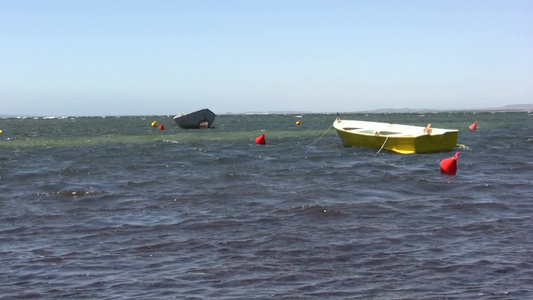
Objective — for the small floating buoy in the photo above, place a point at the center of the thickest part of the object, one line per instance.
(1, 131)
(161, 127)
(298, 122)
(449, 165)
(473, 126)
(260, 139)
(154, 124)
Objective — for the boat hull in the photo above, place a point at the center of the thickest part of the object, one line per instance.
(404, 139)
(203, 118)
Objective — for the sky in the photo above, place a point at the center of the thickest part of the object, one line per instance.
(154, 57)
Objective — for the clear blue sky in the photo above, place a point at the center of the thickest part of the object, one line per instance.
(115, 57)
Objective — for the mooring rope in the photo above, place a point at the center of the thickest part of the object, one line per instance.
(382, 146)
(321, 135)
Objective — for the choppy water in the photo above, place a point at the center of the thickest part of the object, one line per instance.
(112, 208)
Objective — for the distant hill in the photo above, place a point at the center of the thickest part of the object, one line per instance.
(511, 107)
(518, 107)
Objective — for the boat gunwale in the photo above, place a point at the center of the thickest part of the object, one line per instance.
(394, 130)
(399, 138)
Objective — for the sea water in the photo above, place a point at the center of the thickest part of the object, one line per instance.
(113, 208)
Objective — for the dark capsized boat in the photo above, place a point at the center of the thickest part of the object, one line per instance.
(203, 118)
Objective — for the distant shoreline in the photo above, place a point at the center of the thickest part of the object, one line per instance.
(507, 108)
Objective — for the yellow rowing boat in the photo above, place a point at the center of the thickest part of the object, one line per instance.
(404, 139)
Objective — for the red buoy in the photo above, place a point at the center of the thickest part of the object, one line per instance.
(449, 165)
(473, 126)
(260, 139)
(161, 127)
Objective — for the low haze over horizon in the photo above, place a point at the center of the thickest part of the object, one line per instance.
(94, 57)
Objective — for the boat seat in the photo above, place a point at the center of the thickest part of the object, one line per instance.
(388, 132)
(366, 131)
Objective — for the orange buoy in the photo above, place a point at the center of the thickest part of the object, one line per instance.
(260, 139)
(449, 165)
(154, 124)
(161, 127)
(298, 122)
(473, 126)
